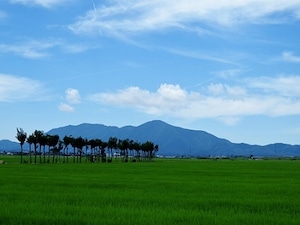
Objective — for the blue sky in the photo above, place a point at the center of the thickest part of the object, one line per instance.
(231, 68)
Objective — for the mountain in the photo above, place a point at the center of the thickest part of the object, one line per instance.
(9, 146)
(177, 141)
(172, 141)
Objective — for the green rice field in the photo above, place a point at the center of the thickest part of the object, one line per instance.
(166, 191)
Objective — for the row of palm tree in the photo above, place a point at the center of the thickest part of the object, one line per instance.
(93, 150)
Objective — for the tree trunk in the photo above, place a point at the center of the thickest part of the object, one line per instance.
(34, 153)
(80, 154)
(44, 154)
(40, 153)
(49, 154)
(21, 153)
(74, 155)
(67, 154)
(30, 153)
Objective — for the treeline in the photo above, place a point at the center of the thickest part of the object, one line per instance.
(46, 148)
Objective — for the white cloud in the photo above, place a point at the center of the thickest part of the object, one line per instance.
(279, 97)
(131, 16)
(72, 96)
(15, 88)
(65, 107)
(216, 89)
(290, 57)
(283, 85)
(42, 3)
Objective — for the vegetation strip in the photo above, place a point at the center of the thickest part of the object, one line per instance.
(99, 149)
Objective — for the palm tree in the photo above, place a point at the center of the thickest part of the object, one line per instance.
(52, 142)
(79, 143)
(30, 141)
(112, 144)
(21, 136)
(73, 144)
(156, 148)
(59, 147)
(48, 137)
(102, 147)
(37, 140)
(131, 148)
(86, 145)
(43, 143)
(137, 148)
(123, 146)
(101, 150)
(93, 144)
(149, 148)
(67, 141)
(126, 147)
(56, 148)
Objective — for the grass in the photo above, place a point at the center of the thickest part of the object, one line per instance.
(160, 192)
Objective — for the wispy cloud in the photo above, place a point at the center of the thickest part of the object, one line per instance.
(290, 57)
(227, 74)
(199, 55)
(16, 88)
(72, 97)
(30, 49)
(132, 17)
(258, 96)
(36, 49)
(42, 3)
(78, 47)
(285, 86)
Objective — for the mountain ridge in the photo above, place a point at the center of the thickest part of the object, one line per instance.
(173, 140)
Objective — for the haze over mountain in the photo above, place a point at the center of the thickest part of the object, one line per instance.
(172, 141)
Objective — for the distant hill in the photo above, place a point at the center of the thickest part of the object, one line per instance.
(173, 141)
(9, 146)
(177, 141)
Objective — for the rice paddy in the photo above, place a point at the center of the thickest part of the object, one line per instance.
(166, 191)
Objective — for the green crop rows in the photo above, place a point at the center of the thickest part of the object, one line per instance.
(159, 192)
